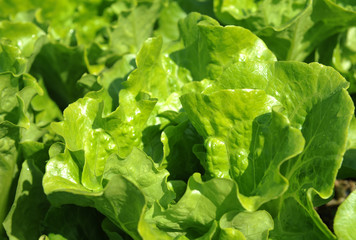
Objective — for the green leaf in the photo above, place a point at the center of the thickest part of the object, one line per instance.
(215, 122)
(121, 201)
(157, 75)
(325, 145)
(320, 107)
(77, 129)
(145, 117)
(68, 22)
(202, 203)
(291, 29)
(120, 131)
(48, 8)
(315, 168)
(304, 99)
(16, 95)
(152, 145)
(22, 41)
(286, 82)
(346, 4)
(241, 142)
(211, 48)
(169, 16)
(46, 110)
(249, 223)
(297, 220)
(345, 218)
(10, 58)
(351, 138)
(344, 56)
(9, 138)
(231, 233)
(155, 72)
(151, 182)
(112, 79)
(124, 187)
(135, 25)
(30, 200)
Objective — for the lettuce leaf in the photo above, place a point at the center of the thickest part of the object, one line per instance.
(142, 120)
(291, 29)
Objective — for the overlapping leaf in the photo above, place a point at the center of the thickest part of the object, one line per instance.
(267, 138)
(291, 29)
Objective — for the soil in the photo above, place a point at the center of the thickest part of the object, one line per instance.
(342, 189)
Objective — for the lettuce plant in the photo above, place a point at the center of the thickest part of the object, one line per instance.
(149, 120)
